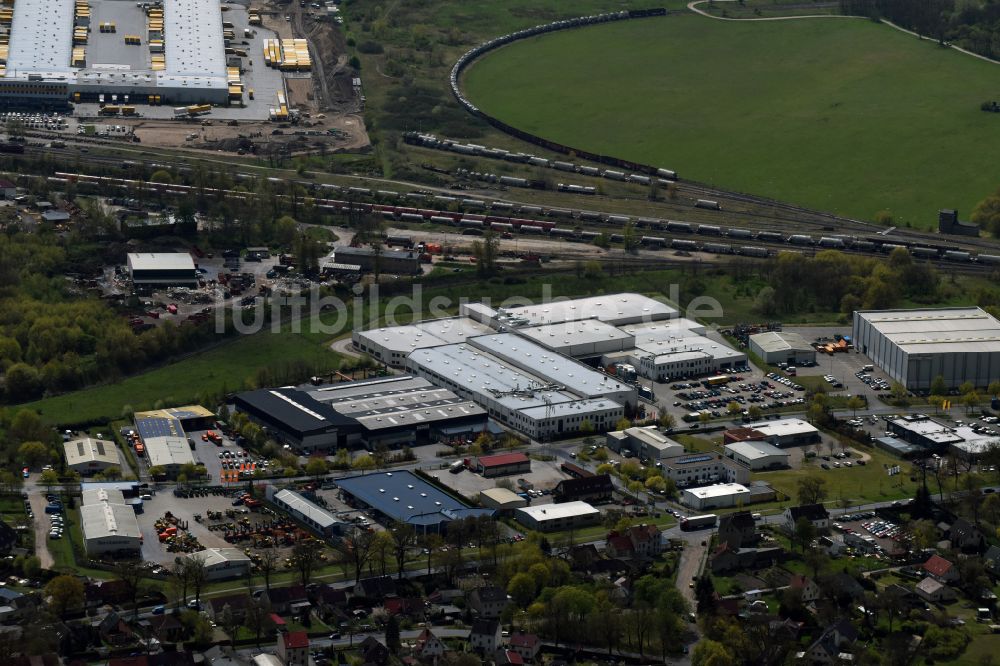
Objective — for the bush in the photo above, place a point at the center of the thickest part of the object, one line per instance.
(370, 47)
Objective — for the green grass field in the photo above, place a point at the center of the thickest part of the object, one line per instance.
(837, 114)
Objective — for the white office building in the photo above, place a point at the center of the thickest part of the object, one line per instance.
(757, 455)
(718, 496)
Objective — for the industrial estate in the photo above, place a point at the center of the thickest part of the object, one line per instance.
(386, 333)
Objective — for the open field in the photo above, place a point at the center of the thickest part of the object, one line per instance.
(892, 124)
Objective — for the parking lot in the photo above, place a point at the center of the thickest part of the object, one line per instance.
(225, 461)
(746, 387)
(880, 536)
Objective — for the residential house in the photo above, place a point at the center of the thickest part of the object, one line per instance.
(834, 544)
(966, 537)
(489, 602)
(738, 530)
(237, 604)
(373, 651)
(810, 590)
(942, 569)
(284, 600)
(835, 641)
(935, 591)
(408, 606)
(991, 560)
(725, 559)
(378, 587)
(293, 648)
(114, 630)
(641, 541)
(844, 586)
(166, 628)
(526, 645)
(8, 190)
(8, 538)
(161, 659)
(504, 657)
(814, 513)
(329, 602)
(105, 593)
(485, 636)
(428, 646)
(582, 557)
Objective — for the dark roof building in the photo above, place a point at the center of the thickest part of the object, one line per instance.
(405, 497)
(295, 417)
(388, 261)
(595, 488)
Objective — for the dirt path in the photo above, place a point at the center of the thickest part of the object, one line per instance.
(40, 525)
(688, 568)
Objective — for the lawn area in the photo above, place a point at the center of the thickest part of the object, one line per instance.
(742, 105)
(224, 367)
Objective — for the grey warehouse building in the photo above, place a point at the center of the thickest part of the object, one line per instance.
(915, 346)
(776, 347)
(149, 270)
(388, 261)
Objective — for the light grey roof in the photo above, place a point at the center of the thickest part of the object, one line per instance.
(718, 490)
(777, 341)
(663, 330)
(752, 450)
(106, 520)
(783, 427)
(160, 261)
(193, 37)
(654, 438)
(613, 308)
(213, 557)
(97, 495)
(544, 512)
(166, 451)
(585, 331)
(431, 333)
(688, 345)
(41, 37)
(88, 449)
(300, 504)
(937, 330)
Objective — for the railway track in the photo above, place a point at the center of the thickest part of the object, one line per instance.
(418, 208)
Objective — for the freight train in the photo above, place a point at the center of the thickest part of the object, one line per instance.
(509, 217)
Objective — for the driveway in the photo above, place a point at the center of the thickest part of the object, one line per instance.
(40, 522)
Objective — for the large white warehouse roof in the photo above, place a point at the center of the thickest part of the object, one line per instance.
(41, 37)
(193, 37)
(937, 330)
(545, 512)
(618, 309)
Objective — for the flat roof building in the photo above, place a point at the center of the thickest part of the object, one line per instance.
(392, 344)
(913, 347)
(718, 496)
(776, 347)
(306, 511)
(933, 436)
(698, 469)
(685, 355)
(646, 442)
(405, 497)
(222, 563)
(557, 517)
(170, 453)
(296, 418)
(757, 455)
(593, 488)
(109, 529)
(582, 338)
(90, 456)
(786, 432)
(406, 262)
(501, 500)
(616, 309)
(157, 270)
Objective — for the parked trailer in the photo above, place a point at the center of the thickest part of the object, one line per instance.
(589, 171)
(707, 203)
(679, 227)
(739, 233)
(680, 244)
(827, 241)
(955, 255)
(750, 251)
(698, 522)
(709, 230)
